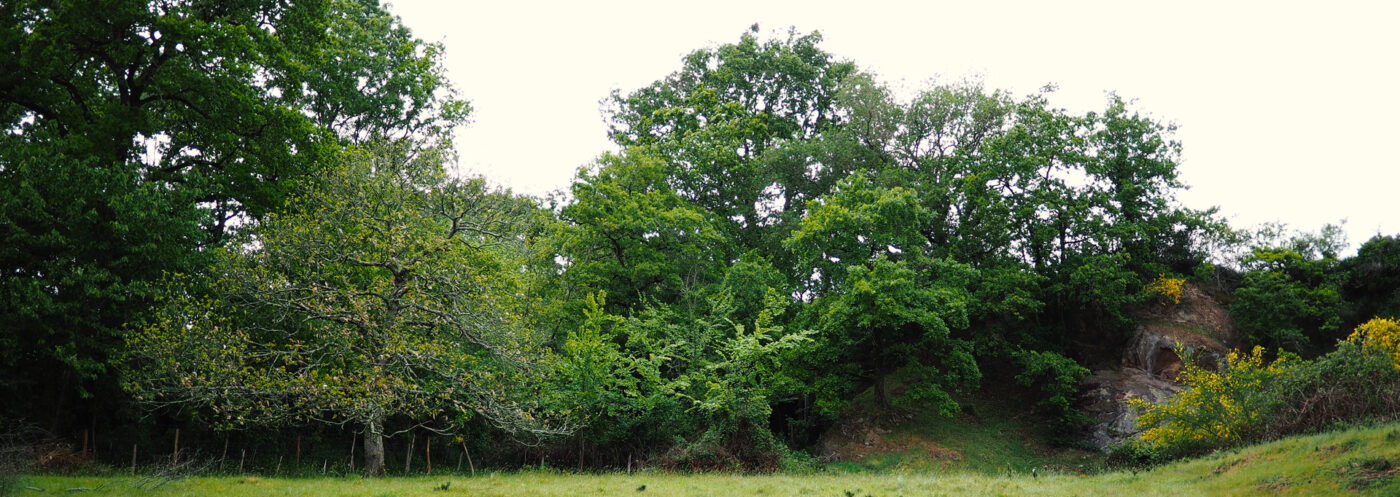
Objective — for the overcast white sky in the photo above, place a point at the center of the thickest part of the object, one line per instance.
(1287, 111)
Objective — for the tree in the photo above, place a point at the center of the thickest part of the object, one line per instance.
(1372, 283)
(387, 293)
(139, 132)
(717, 119)
(889, 322)
(75, 262)
(630, 234)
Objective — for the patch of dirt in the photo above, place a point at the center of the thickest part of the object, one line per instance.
(869, 429)
(1341, 448)
(1225, 468)
(852, 442)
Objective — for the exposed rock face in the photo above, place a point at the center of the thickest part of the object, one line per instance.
(1199, 325)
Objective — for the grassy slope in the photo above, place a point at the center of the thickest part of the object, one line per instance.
(991, 436)
(1353, 462)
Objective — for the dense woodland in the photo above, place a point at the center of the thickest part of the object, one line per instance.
(240, 220)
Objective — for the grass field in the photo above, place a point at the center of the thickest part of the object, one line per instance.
(1359, 462)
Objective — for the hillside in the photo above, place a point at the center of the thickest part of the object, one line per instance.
(990, 436)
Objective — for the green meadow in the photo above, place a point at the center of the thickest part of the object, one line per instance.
(1362, 461)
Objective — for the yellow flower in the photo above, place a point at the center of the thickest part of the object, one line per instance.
(1381, 334)
(1167, 288)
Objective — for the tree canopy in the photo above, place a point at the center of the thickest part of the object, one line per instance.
(139, 134)
(380, 296)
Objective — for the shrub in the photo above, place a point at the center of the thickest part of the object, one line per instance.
(1379, 334)
(1217, 409)
(1166, 289)
(1055, 380)
(1353, 384)
(1252, 401)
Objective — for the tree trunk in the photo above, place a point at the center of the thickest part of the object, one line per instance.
(408, 458)
(374, 447)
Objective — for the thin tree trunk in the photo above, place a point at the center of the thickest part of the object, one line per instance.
(469, 458)
(408, 457)
(428, 453)
(374, 447)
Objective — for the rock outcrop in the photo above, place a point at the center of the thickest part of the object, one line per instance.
(1200, 325)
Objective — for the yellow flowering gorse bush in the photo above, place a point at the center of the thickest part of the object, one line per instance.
(1169, 289)
(1379, 334)
(1216, 409)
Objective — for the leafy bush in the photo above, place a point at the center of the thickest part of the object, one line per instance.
(1166, 289)
(1372, 285)
(1055, 380)
(1217, 408)
(1254, 400)
(751, 448)
(1289, 300)
(1350, 385)
(1379, 334)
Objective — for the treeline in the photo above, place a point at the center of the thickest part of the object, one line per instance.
(241, 217)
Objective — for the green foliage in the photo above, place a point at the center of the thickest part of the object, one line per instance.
(854, 224)
(887, 320)
(1254, 399)
(1290, 296)
(1372, 286)
(717, 119)
(1056, 381)
(1102, 287)
(778, 233)
(1350, 385)
(130, 126)
(1218, 408)
(701, 384)
(737, 386)
(76, 241)
(630, 234)
(388, 292)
